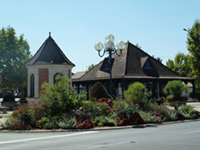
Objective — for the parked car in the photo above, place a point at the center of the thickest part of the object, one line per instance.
(7, 93)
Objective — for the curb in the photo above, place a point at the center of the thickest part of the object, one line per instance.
(98, 128)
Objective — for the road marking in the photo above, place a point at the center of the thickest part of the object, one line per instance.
(49, 137)
(192, 132)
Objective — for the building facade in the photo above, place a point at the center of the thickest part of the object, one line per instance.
(133, 65)
(45, 65)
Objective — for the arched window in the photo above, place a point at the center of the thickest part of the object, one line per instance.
(54, 78)
(32, 92)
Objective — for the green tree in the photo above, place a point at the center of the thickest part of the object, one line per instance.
(14, 52)
(158, 59)
(90, 67)
(193, 45)
(176, 87)
(181, 64)
(138, 46)
(136, 94)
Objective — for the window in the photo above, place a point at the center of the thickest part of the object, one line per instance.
(148, 65)
(32, 91)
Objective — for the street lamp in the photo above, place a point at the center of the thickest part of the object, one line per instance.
(110, 49)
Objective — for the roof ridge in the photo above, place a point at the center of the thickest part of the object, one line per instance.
(47, 51)
(61, 51)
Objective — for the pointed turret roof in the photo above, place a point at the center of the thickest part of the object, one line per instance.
(49, 53)
(133, 63)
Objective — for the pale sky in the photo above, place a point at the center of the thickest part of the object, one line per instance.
(76, 25)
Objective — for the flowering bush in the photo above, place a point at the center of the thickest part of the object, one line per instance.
(84, 125)
(40, 124)
(130, 119)
(109, 102)
(151, 117)
(103, 108)
(104, 121)
(23, 113)
(75, 123)
(15, 124)
(90, 108)
(38, 111)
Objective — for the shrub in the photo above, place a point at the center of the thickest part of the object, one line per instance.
(23, 113)
(67, 123)
(129, 119)
(80, 115)
(90, 108)
(109, 102)
(103, 108)
(121, 107)
(163, 111)
(136, 94)
(50, 123)
(186, 108)
(40, 124)
(38, 111)
(176, 87)
(171, 115)
(104, 121)
(98, 91)
(186, 111)
(150, 117)
(197, 94)
(15, 124)
(57, 100)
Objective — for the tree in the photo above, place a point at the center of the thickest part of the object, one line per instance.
(98, 91)
(136, 94)
(14, 52)
(193, 45)
(181, 64)
(137, 45)
(158, 59)
(90, 67)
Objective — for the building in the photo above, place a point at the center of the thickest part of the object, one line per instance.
(48, 62)
(133, 65)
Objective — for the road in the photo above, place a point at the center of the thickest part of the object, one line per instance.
(180, 136)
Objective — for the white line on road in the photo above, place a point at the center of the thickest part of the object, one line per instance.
(192, 132)
(49, 137)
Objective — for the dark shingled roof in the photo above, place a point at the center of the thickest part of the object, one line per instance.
(78, 75)
(131, 65)
(49, 53)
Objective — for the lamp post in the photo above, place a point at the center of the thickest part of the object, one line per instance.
(110, 49)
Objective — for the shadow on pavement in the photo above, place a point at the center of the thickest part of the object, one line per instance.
(144, 126)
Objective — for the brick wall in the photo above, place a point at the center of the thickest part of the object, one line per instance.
(43, 77)
(69, 77)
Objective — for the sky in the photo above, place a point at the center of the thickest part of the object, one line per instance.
(76, 25)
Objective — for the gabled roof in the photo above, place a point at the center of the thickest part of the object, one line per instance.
(49, 53)
(78, 75)
(130, 65)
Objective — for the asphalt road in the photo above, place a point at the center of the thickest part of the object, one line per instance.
(180, 136)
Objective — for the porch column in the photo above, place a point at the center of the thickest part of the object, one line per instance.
(155, 89)
(193, 89)
(78, 88)
(87, 88)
